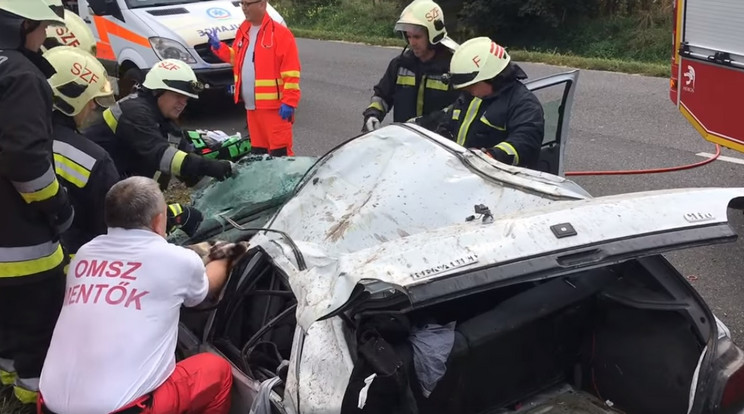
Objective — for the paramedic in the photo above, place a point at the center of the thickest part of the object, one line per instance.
(113, 348)
(267, 77)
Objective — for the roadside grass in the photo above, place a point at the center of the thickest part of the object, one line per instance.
(550, 58)
(9, 404)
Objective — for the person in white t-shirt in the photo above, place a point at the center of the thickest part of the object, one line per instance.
(113, 347)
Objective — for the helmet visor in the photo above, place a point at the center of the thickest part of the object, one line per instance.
(105, 98)
(409, 27)
(461, 78)
(194, 87)
(60, 12)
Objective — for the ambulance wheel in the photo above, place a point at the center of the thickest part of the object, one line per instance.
(127, 81)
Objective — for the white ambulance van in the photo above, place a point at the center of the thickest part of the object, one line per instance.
(133, 35)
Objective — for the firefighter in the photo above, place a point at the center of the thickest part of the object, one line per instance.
(266, 66)
(74, 33)
(137, 130)
(498, 114)
(84, 168)
(414, 84)
(35, 208)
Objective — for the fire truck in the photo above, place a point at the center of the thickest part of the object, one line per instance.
(707, 68)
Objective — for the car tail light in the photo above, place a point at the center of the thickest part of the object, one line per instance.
(733, 392)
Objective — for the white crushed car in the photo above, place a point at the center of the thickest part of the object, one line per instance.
(402, 273)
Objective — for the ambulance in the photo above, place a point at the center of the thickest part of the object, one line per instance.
(707, 68)
(133, 35)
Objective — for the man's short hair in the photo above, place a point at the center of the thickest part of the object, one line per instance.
(133, 202)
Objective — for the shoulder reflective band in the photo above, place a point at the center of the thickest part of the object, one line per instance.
(29, 260)
(72, 164)
(111, 116)
(38, 189)
(462, 133)
(171, 161)
(509, 149)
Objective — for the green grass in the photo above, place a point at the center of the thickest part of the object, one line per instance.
(620, 44)
(9, 404)
(558, 59)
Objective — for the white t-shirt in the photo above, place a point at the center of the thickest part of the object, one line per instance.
(116, 336)
(248, 74)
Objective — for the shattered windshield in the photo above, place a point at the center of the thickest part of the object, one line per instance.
(261, 185)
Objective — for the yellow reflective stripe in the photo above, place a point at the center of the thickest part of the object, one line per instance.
(456, 114)
(509, 149)
(178, 162)
(406, 80)
(469, 118)
(176, 209)
(232, 55)
(71, 171)
(266, 96)
(436, 84)
(30, 267)
(292, 85)
(290, 74)
(111, 121)
(376, 105)
(485, 121)
(420, 97)
(45, 193)
(266, 82)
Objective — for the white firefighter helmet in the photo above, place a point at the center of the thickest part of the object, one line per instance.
(79, 78)
(51, 11)
(75, 33)
(173, 75)
(478, 59)
(424, 14)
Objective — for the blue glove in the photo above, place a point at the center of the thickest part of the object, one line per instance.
(286, 112)
(214, 41)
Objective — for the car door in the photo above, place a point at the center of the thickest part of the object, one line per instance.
(556, 93)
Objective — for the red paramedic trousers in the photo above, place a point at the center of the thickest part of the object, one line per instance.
(269, 131)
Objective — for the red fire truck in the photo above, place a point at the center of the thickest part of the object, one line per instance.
(707, 77)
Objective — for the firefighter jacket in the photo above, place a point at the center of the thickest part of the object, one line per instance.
(35, 208)
(413, 88)
(142, 142)
(276, 60)
(87, 172)
(509, 123)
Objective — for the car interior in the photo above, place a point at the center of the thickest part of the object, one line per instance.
(607, 340)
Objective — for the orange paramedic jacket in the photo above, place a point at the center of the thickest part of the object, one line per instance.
(276, 60)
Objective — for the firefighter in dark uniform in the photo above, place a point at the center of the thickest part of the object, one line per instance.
(414, 84)
(35, 208)
(83, 167)
(497, 113)
(140, 134)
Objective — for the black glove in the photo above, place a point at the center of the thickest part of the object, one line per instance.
(185, 217)
(62, 220)
(499, 155)
(219, 169)
(369, 113)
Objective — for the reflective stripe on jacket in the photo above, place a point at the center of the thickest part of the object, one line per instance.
(413, 88)
(276, 60)
(31, 199)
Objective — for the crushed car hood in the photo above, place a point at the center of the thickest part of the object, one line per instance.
(391, 209)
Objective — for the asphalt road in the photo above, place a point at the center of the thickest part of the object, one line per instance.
(618, 122)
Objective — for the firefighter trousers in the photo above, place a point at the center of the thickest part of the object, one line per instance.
(30, 311)
(269, 132)
(199, 384)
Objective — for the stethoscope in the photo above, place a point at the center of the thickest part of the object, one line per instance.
(263, 38)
